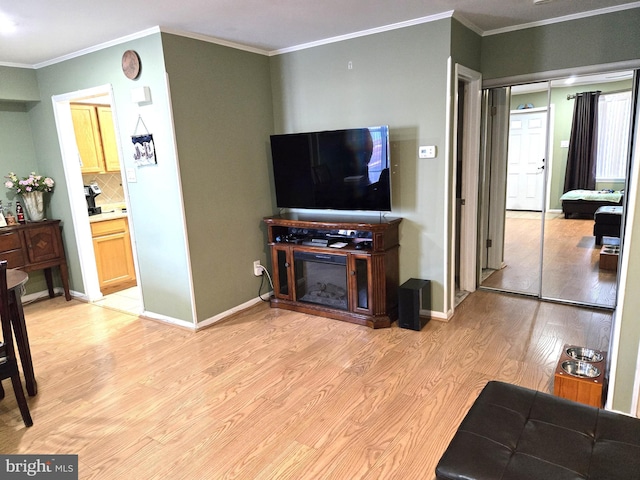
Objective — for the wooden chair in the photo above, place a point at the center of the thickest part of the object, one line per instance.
(8, 361)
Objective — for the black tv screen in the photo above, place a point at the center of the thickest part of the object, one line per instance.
(337, 169)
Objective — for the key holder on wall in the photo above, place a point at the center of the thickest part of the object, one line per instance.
(144, 152)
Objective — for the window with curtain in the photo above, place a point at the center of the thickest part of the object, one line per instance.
(613, 135)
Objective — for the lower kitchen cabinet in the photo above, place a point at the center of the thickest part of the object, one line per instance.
(114, 256)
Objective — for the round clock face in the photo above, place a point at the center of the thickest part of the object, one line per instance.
(131, 64)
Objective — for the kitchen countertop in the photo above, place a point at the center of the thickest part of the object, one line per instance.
(111, 215)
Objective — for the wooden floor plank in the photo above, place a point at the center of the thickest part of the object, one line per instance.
(276, 394)
(571, 260)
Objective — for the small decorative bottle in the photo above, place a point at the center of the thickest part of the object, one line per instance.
(20, 213)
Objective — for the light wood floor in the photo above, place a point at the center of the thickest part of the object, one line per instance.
(272, 394)
(571, 267)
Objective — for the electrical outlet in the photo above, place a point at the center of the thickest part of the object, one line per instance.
(257, 268)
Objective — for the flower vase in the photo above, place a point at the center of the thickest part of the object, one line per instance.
(34, 205)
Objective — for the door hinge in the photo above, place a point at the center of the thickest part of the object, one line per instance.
(462, 201)
(489, 243)
(494, 111)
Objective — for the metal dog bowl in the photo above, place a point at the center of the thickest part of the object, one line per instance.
(580, 369)
(584, 354)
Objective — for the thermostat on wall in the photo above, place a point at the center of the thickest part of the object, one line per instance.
(427, 151)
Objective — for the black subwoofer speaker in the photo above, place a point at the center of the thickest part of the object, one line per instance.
(413, 295)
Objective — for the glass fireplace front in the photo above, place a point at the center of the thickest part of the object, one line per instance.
(321, 279)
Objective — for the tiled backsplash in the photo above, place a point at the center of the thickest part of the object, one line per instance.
(111, 186)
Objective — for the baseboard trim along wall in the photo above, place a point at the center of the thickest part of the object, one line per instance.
(32, 297)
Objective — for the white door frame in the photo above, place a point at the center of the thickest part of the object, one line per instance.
(73, 176)
(470, 173)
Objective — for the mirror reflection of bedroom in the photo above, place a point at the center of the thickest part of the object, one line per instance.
(554, 188)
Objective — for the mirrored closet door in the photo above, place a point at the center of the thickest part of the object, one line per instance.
(554, 175)
(514, 190)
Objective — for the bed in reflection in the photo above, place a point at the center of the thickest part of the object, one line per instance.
(586, 202)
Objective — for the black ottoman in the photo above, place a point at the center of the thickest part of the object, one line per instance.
(513, 433)
(607, 223)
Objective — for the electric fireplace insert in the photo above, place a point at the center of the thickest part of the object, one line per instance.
(321, 279)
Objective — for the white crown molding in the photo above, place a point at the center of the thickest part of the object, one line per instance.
(566, 18)
(101, 46)
(364, 33)
(135, 36)
(471, 26)
(217, 41)
(16, 65)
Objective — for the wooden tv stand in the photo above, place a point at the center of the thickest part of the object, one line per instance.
(365, 267)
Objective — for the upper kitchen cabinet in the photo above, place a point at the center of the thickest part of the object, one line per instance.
(96, 139)
(108, 135)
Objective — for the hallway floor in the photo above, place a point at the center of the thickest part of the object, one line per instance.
(127, 301)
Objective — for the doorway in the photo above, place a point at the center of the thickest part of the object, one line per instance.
(526, 159)
(466, 145)
(539, 252)
(129, 300)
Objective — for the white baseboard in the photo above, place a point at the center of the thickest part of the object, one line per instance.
(169, 320)
(440, 316)
(223, 315)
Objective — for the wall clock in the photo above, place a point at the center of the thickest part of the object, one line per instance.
(131, 64)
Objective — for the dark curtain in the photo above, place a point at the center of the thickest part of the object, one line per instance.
(581, 159)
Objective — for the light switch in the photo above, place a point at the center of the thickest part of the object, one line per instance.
(131, 175)
(427, 151)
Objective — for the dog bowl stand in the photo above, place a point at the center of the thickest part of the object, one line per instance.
(580, 389)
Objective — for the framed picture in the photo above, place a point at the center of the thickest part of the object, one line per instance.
(144, 151)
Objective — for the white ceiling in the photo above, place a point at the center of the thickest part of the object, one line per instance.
(46, 30)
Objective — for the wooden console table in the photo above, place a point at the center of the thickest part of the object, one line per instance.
(361, 251)
(36, 246)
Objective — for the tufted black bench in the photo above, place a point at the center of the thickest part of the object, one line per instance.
(607, 223)
(513, 433)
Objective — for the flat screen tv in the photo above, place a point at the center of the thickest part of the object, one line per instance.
(337, 169)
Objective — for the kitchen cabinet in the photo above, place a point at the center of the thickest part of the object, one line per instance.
(108, 136)
(114, 255)
(95, 138)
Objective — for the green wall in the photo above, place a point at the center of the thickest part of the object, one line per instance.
(601, 40)
(399, 78)
(156, 205)
(18, 84)
(466, 46)
(18, 89)
(223, 118)
(588, 41)
(17, 154)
